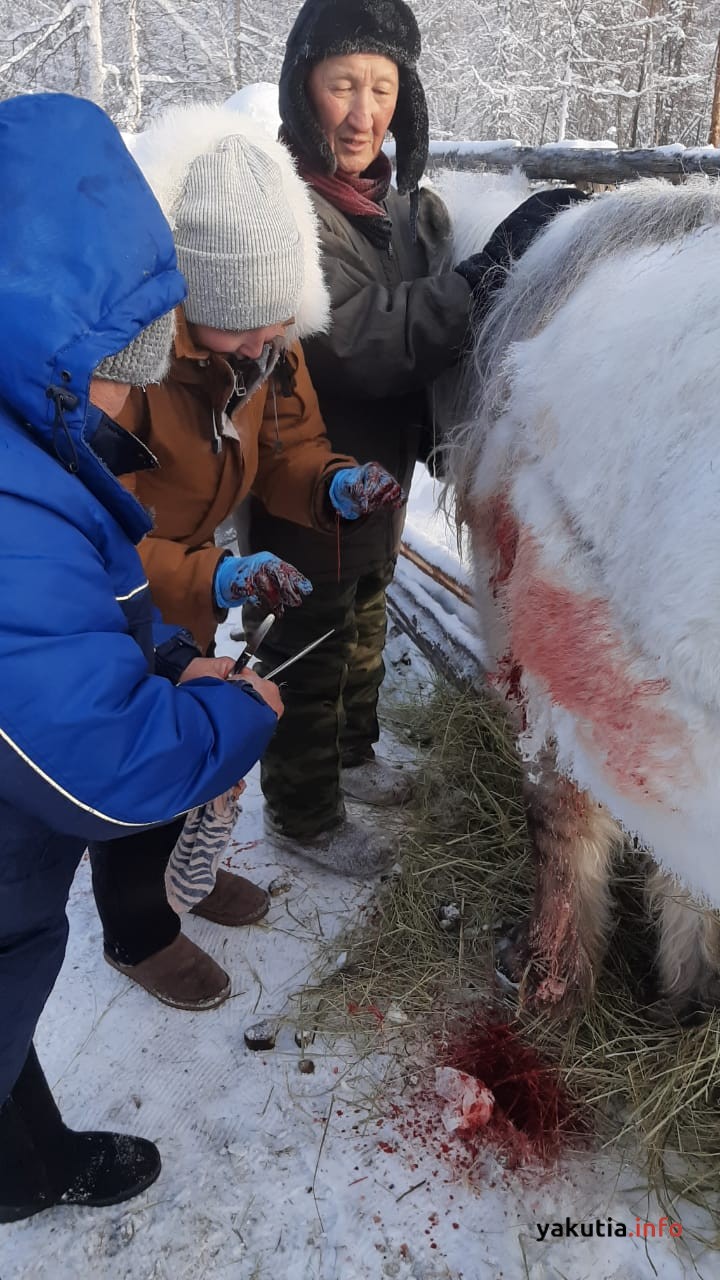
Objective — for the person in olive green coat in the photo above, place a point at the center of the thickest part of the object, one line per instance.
(348, 76)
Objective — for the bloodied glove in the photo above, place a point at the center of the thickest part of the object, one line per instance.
(356, 491)
(259, 579)
(487, 271)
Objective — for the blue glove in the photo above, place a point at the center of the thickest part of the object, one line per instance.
(259, 579)
(356, 491)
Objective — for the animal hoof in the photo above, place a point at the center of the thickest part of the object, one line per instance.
(551, 991)
(558, 990)
(552, 997)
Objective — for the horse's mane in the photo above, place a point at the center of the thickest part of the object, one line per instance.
(643, 214)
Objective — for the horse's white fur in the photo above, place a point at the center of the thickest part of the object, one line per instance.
(166, 150)
(477, 203)
(598, 405)
(639, 216)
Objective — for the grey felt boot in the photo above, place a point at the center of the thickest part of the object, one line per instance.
(351, 849)
(379, 783)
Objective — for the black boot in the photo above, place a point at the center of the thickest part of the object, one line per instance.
(24, 1185)
(44, 1163)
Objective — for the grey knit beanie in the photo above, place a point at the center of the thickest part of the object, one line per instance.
(237, 241)
(146, 359)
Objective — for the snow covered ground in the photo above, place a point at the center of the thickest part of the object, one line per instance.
(271, 1174)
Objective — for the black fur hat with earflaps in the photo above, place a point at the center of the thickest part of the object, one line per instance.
(331, 28)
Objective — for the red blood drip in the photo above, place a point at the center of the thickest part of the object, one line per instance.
(507, 678)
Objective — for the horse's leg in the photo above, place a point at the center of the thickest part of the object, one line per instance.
(689, 946)
(573, 839)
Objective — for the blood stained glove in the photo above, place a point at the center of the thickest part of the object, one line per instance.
(259, 579)
(356, 491)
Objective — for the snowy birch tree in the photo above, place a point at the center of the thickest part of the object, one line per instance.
(640, 72)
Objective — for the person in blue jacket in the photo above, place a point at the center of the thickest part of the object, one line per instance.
(96, 741)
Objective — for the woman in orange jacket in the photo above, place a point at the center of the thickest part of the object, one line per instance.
(238, 411)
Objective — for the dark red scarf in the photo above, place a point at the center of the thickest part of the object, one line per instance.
(357, 198)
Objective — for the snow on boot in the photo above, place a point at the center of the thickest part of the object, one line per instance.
(107, 1168)
(378, 782)
(351, 849)
(44, 1163)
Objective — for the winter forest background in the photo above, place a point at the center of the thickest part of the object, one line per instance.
(634, 72)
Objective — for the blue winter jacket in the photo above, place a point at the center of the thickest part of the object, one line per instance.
(91, 743)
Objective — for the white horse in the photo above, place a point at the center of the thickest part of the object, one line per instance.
(587, 470)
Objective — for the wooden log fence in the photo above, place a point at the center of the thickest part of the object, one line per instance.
(602, 165)
(439, 576)
(577, 164)
(413, 599)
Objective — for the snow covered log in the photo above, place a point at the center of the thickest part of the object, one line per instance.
(430, 598)
(437, 623)
(576, 163)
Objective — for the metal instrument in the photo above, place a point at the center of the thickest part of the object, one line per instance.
(253, 644)
(296, 657)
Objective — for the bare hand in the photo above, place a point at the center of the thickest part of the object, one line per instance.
(268, 691)
(217, 668)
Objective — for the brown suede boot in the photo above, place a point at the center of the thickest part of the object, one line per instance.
(181, 975)
(234, 901)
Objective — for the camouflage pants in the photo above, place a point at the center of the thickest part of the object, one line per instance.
(330, 699)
